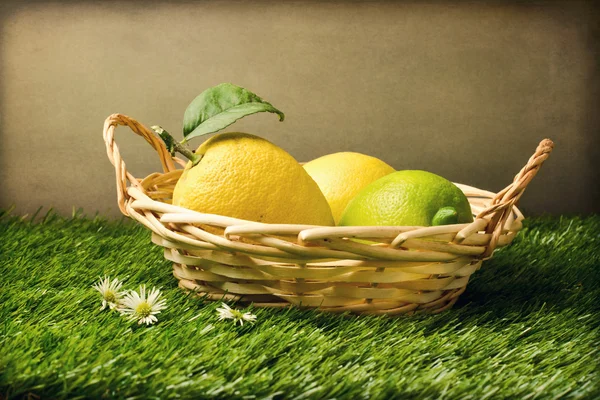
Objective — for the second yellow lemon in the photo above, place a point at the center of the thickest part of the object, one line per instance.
(341, 176)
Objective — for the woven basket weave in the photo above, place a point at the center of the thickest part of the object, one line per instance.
(408, 268)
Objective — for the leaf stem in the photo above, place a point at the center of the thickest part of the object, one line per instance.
(174, 146)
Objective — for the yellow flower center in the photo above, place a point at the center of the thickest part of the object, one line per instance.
(143, 309)
(110, 296)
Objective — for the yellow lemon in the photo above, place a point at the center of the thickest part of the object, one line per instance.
(407, 198)
(342, 175)
(247, 177)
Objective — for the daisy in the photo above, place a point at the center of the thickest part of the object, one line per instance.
(227, 312)
(135, 306)
(110, 292)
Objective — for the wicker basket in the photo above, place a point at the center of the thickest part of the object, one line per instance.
(408, 269)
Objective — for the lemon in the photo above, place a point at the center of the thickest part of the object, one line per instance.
(407, 198)
(247, 177)
(341, 176)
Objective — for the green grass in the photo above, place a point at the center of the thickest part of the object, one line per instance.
(527, 327)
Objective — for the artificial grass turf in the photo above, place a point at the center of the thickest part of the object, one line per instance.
(526, 327)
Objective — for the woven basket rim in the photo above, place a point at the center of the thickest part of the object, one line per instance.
(240, 221)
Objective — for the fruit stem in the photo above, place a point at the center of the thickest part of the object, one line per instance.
(174, 146)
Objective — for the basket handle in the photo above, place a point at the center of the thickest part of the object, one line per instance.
(114, 155)
(501, 206)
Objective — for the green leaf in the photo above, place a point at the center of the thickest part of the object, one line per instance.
(220, 106)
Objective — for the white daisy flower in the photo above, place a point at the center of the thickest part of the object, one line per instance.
(226, 312)
(110, 291)
(135, 306)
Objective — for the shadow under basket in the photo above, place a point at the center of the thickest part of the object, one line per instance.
(406, 269)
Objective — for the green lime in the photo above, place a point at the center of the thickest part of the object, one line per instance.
(407, 198)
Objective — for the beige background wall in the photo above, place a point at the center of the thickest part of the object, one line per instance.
(462, 89)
